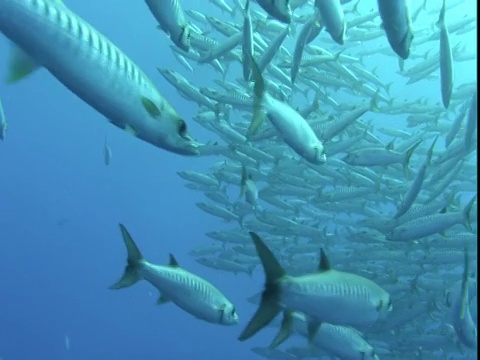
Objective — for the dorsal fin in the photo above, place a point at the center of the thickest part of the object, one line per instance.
(324, 264)
(390, 145)
(172, 261)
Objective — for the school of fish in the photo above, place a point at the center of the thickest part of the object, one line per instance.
(366, 233)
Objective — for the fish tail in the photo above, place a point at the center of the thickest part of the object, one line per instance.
(389, 85)
(374, 103)
(430, 152)
(408, 156)
(269, 303)
(134, 258)
(441, 17)
(250, 270)
(259, 93)
(355, 8)
(246, 9)
(285, 331)
(466, 213)
(240, 221)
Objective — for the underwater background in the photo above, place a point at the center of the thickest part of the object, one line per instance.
(60, 246)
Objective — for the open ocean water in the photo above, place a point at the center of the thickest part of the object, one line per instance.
(60, 205)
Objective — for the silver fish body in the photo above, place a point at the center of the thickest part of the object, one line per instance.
(98, 72)
(172, 20)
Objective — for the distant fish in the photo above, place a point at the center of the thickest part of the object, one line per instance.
(446, 60)
(294, 129)
(471, 121)
(248, 188)
(462, 318)
(107, 152)
(172, 20)
(67, 343)
(3, 123)
(188, 291)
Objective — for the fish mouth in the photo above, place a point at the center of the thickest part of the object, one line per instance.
(192, 147)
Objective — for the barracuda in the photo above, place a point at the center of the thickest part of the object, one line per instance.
(94, 69)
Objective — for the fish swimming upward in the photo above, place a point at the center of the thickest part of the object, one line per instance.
(97, 71)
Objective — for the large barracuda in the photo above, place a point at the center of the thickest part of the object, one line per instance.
(97, 71)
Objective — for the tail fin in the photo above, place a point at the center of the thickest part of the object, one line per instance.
(428, 160)
(134, 257)
(269, 304)
(441, 17)
(408, 155)
(466, 213)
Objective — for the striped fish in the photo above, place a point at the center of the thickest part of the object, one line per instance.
(188, 291)
(98, 72)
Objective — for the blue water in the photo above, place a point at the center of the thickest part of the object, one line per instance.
(60, 245)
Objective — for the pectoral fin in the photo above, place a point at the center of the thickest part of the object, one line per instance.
(162, 300)
(20, 65)
(313, 327)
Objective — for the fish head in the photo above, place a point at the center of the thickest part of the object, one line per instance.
(349, 159)
(384, 305)
(164, 127)
(229, 314)
(209, 92)
(183, 41)
(403, 49)
(369, 353)
(180, 141)
(169, 75)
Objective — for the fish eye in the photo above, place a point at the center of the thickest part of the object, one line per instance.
(233, 311)
(182, 128)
